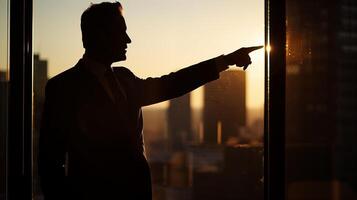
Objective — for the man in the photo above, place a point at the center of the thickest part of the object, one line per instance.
(91, 144)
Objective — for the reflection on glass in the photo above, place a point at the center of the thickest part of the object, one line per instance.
(321, 97)
(203, 145)
(3, 92)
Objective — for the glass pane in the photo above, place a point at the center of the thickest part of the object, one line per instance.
(4, 70)
(321, 97)
(207, 144)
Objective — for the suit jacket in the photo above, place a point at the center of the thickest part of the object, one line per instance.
(92, 147)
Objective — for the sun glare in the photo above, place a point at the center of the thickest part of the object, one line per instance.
(268, 48)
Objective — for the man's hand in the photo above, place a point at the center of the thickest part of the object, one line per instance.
(241, 57)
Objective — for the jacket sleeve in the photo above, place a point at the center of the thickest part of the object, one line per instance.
(52, 146)
(154, 90)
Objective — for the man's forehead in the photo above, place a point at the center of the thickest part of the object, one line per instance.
(120, 9)
(120, 21)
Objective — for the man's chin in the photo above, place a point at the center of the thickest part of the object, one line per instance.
(120, 58)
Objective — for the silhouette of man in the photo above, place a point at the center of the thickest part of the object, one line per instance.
(91, 143)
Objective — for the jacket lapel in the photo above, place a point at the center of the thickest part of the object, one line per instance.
(93, 85)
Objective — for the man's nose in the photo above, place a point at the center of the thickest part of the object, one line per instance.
(128, 40)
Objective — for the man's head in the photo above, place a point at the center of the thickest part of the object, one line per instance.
(104, 31)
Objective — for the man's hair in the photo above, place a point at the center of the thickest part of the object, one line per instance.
(96, 20)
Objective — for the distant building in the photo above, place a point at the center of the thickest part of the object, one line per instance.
(40, 77)
(178, 193)
(3, 128)
(3, 103)
(205, 158)
(224, 110)
(179, 122)
(240, 176)
(172, 193)
(155, 134)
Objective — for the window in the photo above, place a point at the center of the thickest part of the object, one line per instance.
(204, 145)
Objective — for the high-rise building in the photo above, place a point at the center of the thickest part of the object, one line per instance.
(40, 78)
(311, 67)
(321, 84)
(3, 129)
(179, 122)
(3, 102)
(224, 110)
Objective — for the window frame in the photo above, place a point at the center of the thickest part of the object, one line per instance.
(274, 103)
(19, 139)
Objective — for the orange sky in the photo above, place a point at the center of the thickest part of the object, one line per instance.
(167, 35)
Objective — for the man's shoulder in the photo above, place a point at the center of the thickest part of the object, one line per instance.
(123, 72)
(65, 78)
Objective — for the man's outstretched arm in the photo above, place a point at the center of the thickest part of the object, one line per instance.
(154, 90)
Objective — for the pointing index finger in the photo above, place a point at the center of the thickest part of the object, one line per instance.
(250, 49)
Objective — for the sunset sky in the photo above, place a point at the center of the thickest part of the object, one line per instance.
(166, 36)
(3, 35)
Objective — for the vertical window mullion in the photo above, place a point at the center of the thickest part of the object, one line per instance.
(19, 140)
(274, 109)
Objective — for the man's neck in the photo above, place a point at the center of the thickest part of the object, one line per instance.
(98, 58)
